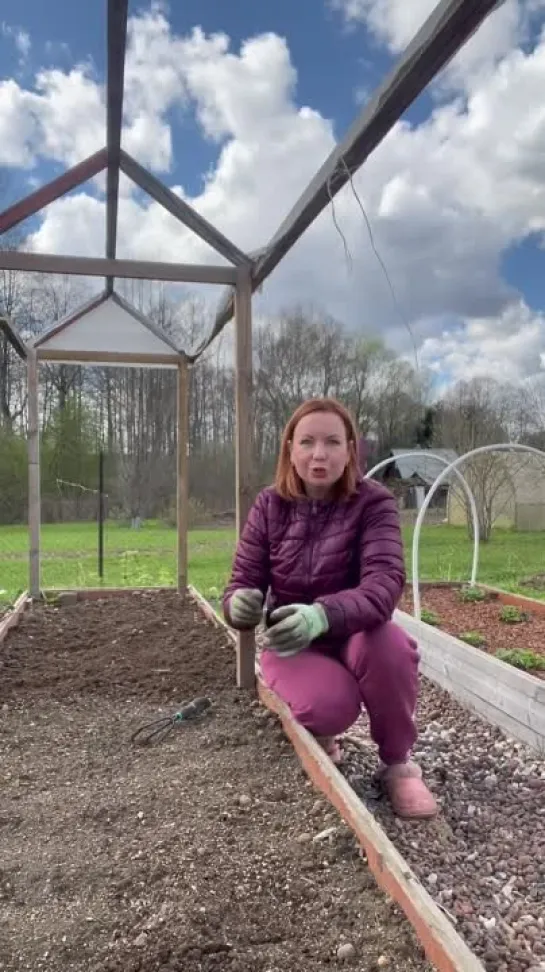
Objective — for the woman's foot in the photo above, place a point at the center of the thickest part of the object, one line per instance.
(332, 747)
(407, 792)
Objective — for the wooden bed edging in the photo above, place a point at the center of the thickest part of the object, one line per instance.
(13, 616)
(443, 945)
(503, 695)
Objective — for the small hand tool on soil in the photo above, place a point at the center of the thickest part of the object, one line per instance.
(160, 728)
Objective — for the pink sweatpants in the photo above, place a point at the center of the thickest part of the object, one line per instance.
(326, 687)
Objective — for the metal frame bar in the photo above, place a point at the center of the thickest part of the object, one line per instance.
(71, 179)
(183, 211)
(445, 31)
(102, 267)
(117, 42)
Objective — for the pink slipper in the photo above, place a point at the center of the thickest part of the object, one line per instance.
(332, 747)
(407, 792)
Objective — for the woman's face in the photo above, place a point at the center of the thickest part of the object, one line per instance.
(320, 452)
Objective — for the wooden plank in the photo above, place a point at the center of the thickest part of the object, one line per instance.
(103, 267)
(182, 479)
(97, 593)
(114, 358)
(181, 210)
(71, 179)
(518, 600)
(34, 512)
(13, 616)
(528, 711)
(117, 43)
(506, 697)
(244, 449)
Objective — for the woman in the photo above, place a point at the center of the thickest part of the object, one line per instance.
(324, 546)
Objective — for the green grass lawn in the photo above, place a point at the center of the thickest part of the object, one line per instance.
(147, 557)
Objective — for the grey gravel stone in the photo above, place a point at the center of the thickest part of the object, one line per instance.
(483, 858)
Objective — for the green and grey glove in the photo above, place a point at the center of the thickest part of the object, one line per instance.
(294, 627)
(246, 607)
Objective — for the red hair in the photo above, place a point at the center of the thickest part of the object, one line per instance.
(288, 483)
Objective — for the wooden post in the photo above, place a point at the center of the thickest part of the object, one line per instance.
(244, 449)
(33, 473)
(182, 479)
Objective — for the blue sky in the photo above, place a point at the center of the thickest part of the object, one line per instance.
(484, 253)
(336, 65)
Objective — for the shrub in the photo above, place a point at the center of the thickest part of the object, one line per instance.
(522, 658)
(471, 595)
(510, 614)
(429, 617)
(474, 638)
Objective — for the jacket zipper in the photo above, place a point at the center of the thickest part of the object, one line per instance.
(313, 511)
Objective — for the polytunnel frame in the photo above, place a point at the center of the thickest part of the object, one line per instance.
(453, 467)
(465, 486)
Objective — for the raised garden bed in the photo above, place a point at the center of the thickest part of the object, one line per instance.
(493, 664)
(204, 852)
(508, 627)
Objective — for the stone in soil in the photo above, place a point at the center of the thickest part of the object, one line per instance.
(483, 617)
(188, 855)
(483, 858)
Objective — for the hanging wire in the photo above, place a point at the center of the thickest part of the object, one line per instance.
(403, 318)
(347, 253)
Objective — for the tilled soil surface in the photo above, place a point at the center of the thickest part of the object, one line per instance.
(483, 617)
(483, 858)
(204, 852)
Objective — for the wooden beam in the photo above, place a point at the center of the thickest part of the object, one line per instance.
(182, 482)
(445, 31)
(58, 187)
(117, 42)
(183, 211)
(101, 267)
(244, 450)
(13, 337)
(114, 358)
(33, 473)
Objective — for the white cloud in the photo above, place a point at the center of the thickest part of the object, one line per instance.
(394, 23)
(445, 198)
(507, 346)
(20, 38)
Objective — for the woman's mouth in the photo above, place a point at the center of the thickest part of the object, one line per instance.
(320, 472)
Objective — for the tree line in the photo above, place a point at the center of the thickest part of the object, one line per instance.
(130, 414)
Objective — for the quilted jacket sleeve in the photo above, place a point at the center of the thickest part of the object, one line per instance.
(382, 572)
(251, 561)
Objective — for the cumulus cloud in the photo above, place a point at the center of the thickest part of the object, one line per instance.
(445, 198)
(507, 346)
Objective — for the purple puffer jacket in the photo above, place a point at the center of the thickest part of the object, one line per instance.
(346, 555)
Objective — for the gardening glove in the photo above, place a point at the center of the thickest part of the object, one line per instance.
(294, 627)
(246, 607)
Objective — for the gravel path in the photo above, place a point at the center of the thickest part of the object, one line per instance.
(483, 859)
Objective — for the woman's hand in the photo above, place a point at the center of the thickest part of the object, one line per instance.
(246, 607)
(294, 627)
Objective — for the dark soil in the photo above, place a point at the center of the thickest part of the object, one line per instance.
(204, 852)
(482, 617)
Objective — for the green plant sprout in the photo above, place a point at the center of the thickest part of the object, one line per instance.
(474, 638)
